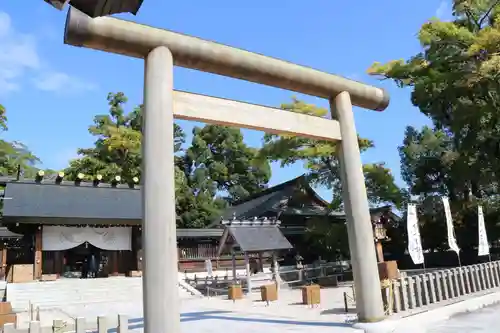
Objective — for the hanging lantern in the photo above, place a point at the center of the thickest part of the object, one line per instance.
(379, 230)
(95, 8)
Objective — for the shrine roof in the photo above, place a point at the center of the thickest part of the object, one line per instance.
(6, 233)
(67, 202)
(30, 202)
(253, 236)
(283, 199)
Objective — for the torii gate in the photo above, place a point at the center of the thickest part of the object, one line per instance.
(161, 50)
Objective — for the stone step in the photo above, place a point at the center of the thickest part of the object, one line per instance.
(57, 294)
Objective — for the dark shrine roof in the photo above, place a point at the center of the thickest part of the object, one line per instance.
(50, 202)
(254, 236)
(282, 199)
(67, 202)
(277, 199)
(5, 233)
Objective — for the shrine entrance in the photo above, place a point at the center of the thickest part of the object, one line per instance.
(85, 258)
(74, 252)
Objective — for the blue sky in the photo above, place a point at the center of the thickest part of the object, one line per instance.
(52, 91)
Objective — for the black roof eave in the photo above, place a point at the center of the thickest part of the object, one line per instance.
(51, 220)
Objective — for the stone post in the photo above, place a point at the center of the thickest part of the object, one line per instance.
(160, 283)
(369, 304)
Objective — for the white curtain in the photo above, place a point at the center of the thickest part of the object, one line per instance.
(58, 238)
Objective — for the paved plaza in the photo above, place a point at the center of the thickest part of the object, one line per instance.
(485, 320)
(217, 314)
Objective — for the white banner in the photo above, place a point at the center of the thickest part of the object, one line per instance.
(208, 267)
(483, 248)
(452, 242)
(414, 239)
(58, 238)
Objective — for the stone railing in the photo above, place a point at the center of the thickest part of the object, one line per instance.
(411, 293)
(79, 325)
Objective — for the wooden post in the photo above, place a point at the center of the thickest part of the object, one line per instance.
(80, 325)
(58, 263)
(233, 263)
(34, 327)
(139, 259)
(276, 272)
(122, 324)
(102, 325)
(58, 325)
(380, 251)
(37, 267)
(249, 276)
(113, 263)
(261, 262)
(4, 262)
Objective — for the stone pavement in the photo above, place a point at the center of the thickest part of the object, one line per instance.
(217, 314)
(485, 320)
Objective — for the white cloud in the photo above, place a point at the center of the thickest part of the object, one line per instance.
(19, 59)
(443, 12)
(18, 55)
(59, 82)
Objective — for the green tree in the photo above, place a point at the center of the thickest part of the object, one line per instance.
(427, 165)
(327, 238)
(219, 154)
(15, 155)
(219, 169)
(3, 118)
(322, 164)
(454, 82)
(217, 164)
(117, 150)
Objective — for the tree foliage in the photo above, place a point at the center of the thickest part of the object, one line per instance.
(322, 164)
(117, 149)
(15, 156)
(218, 154)
(3, 118)
(455, 83)
(216, 168)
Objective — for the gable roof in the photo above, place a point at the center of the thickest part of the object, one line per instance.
(6, 233)
(276, 200)
(253, 236)
(300, 181)
(50, 202)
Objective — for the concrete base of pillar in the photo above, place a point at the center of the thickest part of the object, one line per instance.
(386, 326)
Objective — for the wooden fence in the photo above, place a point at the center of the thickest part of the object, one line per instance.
(208, 251)
(202, 251)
